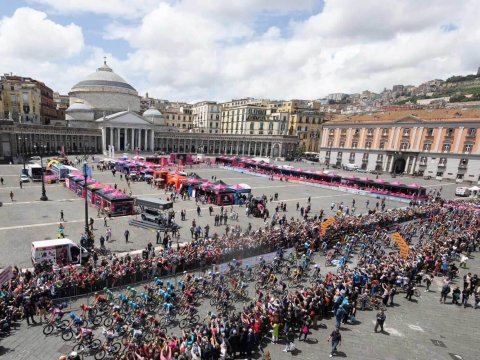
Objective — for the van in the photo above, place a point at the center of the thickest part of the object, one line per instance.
(151, 215)
(61, 252)
(462, 191)
(351, 167)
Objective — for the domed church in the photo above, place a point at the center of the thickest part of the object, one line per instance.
(104, 100)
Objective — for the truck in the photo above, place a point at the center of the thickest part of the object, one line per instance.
(60, 252)
(34, 172)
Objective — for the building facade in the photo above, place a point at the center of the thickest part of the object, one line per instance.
(226, 144)
(21, 99)
(439, 143)
(207, 117)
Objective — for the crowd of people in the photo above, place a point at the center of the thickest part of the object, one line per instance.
(439, 233)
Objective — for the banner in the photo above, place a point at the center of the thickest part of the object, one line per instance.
(402, 244)
(326, 224)
(6, 275)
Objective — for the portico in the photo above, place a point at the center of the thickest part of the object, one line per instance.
(126, 131)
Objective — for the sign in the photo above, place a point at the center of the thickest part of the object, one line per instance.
(6, 275)
(402, 244)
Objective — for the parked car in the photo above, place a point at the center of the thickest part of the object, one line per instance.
(462, 191)
(360, 170)
(24, 178)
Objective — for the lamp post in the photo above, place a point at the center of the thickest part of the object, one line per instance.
(24, 150)
(85, 176)
(41, 148)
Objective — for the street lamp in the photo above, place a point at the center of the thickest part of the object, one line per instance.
(85, 176)
(24, 150)
(41, 148)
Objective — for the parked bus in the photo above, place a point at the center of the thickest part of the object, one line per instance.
(34, 172)
(311, 156)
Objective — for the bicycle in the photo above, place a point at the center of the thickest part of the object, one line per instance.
(54, 324)
(189, 320)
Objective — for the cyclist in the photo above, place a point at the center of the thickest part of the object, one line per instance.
(168, 307)
(87, 311)
(85, 336)
(75, 320)
(109, 336)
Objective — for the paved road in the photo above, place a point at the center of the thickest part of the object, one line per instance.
(27, 219)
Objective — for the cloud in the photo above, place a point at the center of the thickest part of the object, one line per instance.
(215, 49)
(29, 34)
(111, 8)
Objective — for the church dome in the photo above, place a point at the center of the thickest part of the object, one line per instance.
(79, 106)
(152, 112)
(104, 76)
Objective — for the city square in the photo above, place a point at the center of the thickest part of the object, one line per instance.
(256, 179)
(421, 329)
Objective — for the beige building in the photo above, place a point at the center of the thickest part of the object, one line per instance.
(438, 143)
(21, 99)
(180, 118)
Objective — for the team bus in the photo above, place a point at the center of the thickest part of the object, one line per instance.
(34, 172)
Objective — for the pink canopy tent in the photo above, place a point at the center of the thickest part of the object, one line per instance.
(397, 183)
(381, 181)
(414, 186)
(351, 177)
(366, 179)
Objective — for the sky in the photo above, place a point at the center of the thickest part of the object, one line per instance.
(194, 50)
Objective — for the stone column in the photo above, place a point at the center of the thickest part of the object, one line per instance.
(104, 140)
(145, 139)
(152, 141)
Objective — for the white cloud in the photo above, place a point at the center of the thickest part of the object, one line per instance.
(213, 49)
(112, 8)
(29, 34)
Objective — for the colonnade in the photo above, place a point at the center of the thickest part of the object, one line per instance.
(127, 138)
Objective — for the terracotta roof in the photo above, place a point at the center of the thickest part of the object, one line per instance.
(429, 115)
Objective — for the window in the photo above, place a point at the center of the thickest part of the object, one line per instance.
(343, 132)
(446, 147)
(442, 162)
(404, 145)
(450, 131)
(472, 132)
(339, 155)
(330, 143)
(354, 144)
(352, 157)
(385, 132)
(382, 145)
(331, 131)
(327, 154)
(370, 131)
(379, 157)
(439, 173)
(365, 157)
(423, 160)
(467, 148)
(430, 132)
(368, 144)
(406, 132)
(427, 147)
(463, 164)
(342, 144)
(356, 132)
